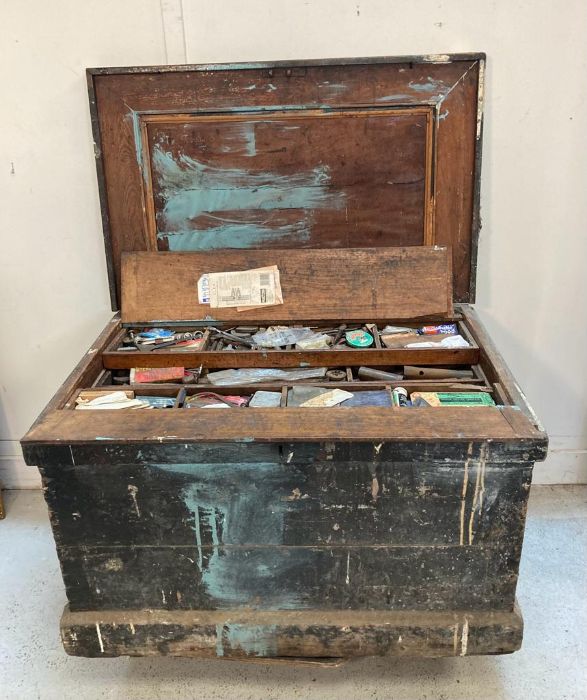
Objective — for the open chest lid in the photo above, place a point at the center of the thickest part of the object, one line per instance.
(339, 154)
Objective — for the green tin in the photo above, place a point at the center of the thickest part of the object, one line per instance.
(359, 339)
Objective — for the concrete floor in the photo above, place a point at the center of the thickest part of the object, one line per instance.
(551, 665)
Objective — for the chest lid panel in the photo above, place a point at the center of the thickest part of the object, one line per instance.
(342, 154)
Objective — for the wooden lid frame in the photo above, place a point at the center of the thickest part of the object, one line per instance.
(404, 138)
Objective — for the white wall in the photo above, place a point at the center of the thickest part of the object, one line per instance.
(532, 261)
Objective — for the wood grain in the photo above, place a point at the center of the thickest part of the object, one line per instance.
(456, 148)
(361, 284)
(313, 179)
(293, 358)
(289, 634)
(127, 103)
(287, 424)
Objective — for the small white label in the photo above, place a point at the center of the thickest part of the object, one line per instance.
(243, 289)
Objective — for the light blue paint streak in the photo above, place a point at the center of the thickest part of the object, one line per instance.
(198, 533)
(443, 116)
(240, 236)
(249, 139)
(240, 139)
(254, 640)
(219, 641)
(244, 499)
(335, 87)
(192, 189)
(253, 108)
(136, 128)
(392, 98)
(431, 86)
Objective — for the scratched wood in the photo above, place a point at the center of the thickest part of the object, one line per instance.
(288, 635)
(315, 181)
(126, 104)
(291, 532)
(460, 424)
(357, 283)
(348, 357)
(309, 504)
(278, 577)
(100, 453)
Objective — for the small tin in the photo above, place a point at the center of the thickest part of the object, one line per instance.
(359, 339)
(400, 396)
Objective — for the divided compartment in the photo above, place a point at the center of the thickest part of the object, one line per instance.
(293, 393)
(329, 292)
(217, 351)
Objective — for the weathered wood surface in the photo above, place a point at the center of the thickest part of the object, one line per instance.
(309, 179)
(355, 284)
(126, 106)
(447, 424)
(289, 634)
(294, 504)
(105, 452)
(277, 577)
(293, 358)
(287, 535)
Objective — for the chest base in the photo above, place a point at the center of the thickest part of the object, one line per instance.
(289, 635)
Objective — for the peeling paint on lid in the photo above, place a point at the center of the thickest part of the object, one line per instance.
(437, 58)
(481, 92)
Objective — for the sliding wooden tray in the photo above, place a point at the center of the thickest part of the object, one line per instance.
(290, 532)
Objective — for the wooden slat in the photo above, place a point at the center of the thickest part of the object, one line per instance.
(273, 424)
(456, 149)
(293, 358)
(357, 284)
(312, 633)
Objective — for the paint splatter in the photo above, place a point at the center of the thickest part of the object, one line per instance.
(133, 490)
(239, 139)
(229, 510)
(254, 640)
(393, 98)
(193, 190)
(431, 85)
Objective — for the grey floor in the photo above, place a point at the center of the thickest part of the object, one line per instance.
(552, 663)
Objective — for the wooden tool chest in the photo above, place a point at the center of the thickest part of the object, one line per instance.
(307, 531)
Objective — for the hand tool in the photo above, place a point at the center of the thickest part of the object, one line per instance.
(368, 373)
(436, 373)
(233, 338)
(339, 332)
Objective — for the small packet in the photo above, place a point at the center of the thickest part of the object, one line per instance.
(451, 341)
(316, 341)
(328, 399)
(277, 336)
(392, 330)
(443, 329)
